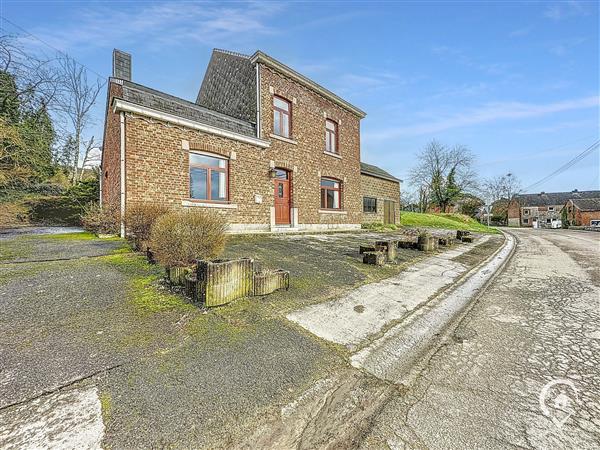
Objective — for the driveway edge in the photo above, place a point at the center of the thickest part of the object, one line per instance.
(404, 350)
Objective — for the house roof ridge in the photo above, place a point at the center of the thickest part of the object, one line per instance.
(260, 56)
(187, 102)
(231, 52)
(378, 172)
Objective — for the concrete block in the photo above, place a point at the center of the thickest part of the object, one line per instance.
(374, 258)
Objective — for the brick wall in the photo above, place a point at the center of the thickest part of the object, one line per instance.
(584, 217)
(309, 111)
(111, 151)
(381, 190)
(157, 160)
(157, 168)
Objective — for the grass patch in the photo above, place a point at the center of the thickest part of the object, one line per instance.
(379, 226)
(146, 295)
(106, 406)
(84, 236)
(144, 291)
(448, 221)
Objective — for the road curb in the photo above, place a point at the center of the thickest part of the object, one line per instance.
(403, 351)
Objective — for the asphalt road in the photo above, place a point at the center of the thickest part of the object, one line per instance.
(522, 370)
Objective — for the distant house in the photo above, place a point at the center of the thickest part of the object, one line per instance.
(543, 210)
(262, 145)
(583, 211)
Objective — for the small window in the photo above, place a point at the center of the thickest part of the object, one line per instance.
(331, 136)
(331, 195)
(526, 212)
(550, 208)
(525, 220)
(369, 205)
(208, 178)
(548, 220)
(282, 114)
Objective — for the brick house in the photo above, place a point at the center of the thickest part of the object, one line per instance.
(263, 145)
(381, 194)
(543, 210)
(583, 211)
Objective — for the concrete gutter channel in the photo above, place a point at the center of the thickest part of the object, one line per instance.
(338, 410)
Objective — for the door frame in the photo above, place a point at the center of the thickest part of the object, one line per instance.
(287, 180)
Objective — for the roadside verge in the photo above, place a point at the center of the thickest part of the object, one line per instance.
(399, 353)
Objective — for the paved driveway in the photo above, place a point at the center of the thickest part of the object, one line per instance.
(523, 368)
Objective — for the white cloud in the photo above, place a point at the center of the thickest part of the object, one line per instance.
(490, 112)
(163, 24)
(564, 10)
(520, 32)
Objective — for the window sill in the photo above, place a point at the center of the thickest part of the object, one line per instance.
(202, 204)
(332, 211)
(335, 155)
(284, 139)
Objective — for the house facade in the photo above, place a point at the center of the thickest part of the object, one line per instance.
(262, 145)
(582, 212)
(543, 210)
(381, 195)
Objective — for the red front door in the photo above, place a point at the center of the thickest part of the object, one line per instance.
(282, 197)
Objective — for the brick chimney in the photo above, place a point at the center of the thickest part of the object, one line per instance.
(121, 65)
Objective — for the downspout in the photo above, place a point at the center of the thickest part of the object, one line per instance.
(258, 100)
(122, 119)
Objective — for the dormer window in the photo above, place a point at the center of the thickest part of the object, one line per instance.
(282, 117)
(331, 136)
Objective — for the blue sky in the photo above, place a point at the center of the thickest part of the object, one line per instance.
(516, 82)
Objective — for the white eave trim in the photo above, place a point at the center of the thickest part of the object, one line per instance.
(123, 105)
(260, 57)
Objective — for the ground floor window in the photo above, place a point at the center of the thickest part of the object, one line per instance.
(369, 205)
(525, 220)
(331, 194)
(208, 178)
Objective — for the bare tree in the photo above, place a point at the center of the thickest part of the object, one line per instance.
(91, 156)
(499, 192)
(78, 96)
(444, 173)
(36, 78)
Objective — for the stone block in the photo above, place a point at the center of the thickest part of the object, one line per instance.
(374, 258)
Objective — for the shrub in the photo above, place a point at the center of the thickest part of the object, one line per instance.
(178, 238)
(139, 219)
(99, 220)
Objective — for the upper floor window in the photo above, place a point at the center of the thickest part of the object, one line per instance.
(208, 178)
(331, 194)
(550, 208)
(282, 117)
(331, 136)
(526, 212)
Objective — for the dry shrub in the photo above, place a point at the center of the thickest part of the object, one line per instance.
(139, 219)
(101, 220)
(180, 237)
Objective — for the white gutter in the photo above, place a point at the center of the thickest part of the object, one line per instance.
(122, 119)
(125, 106)
(258, 101)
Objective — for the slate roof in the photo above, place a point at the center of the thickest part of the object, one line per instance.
(554, 198)
(229, 85)
(166, 103)
(374, 171)
(587, 204)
